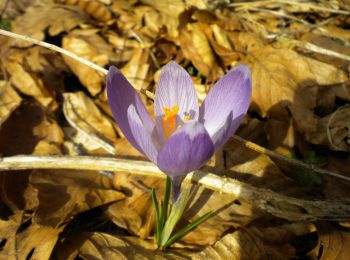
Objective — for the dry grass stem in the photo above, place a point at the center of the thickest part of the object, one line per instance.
(279, 205)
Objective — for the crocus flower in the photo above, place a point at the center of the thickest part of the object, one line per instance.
(184, 136)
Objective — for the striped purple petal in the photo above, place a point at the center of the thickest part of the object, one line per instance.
(189, 148)
(226, 104)
(142, 137)
(175, 88)
(121, 96)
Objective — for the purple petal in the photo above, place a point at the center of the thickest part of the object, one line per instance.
(187, 150)
(142, 137)
(121, 95)
(226, 104)
(175, 88)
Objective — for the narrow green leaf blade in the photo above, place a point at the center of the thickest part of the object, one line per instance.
(156, 209)
(188, 228)
(164, 212)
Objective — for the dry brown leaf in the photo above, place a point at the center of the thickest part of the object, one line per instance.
(82, 113)
(333, 243)
(283, 77)
(92, 47)
(106, 246)
(9, 101)
(219, 40)
(333, 130)
(169, 14)
(26, 240)
(26, 82)
(96, 9)
(197, 49)
(55, 18)
(62, 195)
(138, 70)
(124, 47)
(238, 245)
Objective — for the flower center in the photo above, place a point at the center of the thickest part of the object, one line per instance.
(169, 120)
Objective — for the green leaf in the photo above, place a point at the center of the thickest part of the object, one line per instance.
(188, 228)
(156, 208)
(164, 212)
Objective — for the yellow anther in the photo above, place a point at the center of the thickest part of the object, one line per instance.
(169, 120)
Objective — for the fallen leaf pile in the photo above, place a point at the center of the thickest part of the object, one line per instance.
(299, 55)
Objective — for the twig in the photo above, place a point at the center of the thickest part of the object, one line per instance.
(290, 161)
(320, 50)
(54, 48)
(279, 205)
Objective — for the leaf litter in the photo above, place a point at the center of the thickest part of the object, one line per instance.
(298, 52)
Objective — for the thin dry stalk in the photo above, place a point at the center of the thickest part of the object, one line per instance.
(279, 205)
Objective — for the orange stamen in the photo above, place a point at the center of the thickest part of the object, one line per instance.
(169, 120)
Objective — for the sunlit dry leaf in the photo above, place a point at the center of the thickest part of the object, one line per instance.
(27, 83)
(221, 44)
(23, 240)
(9, 100)
(169, 12)
(197, 49)
(55, 18)
(137, 70)
(282, 76)
(238, 245)
(123, 45)
(106, 246)
(96, 8)
(78, 192)
(88, 45)
(87, 119)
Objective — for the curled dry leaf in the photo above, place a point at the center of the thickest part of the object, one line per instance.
(333, 243)
(82, 114)
(333, 130)
(26, 240)
(55, 18)
(9, 100)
